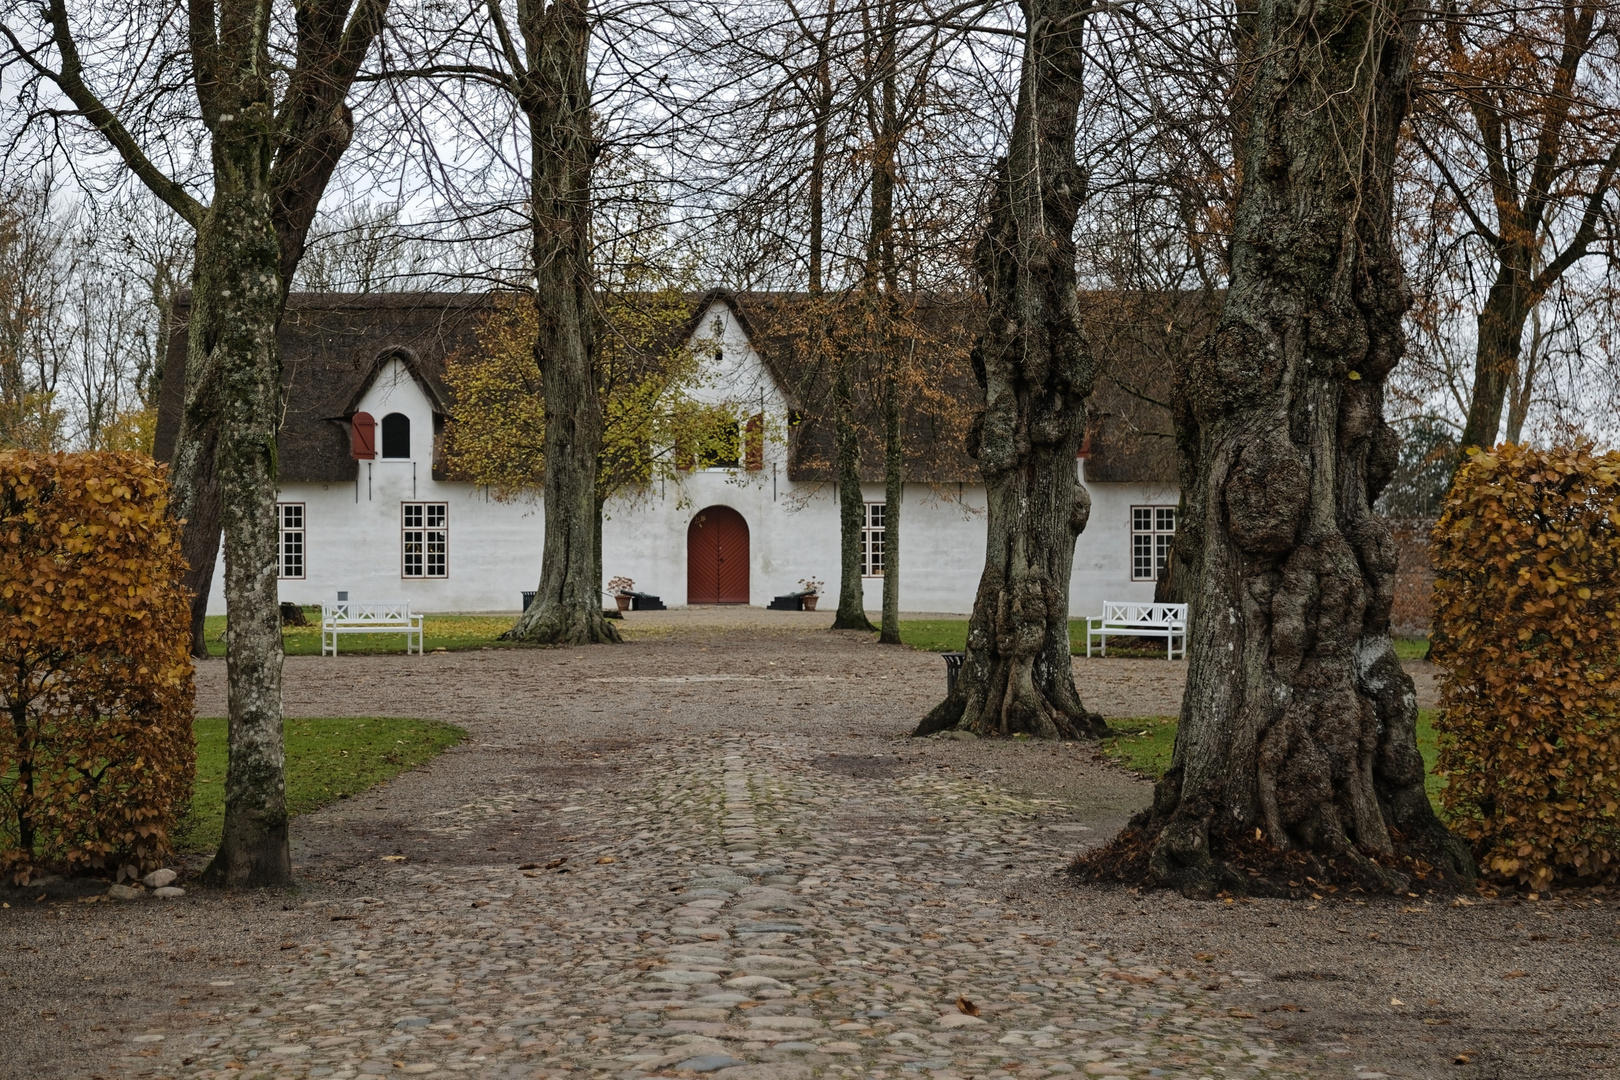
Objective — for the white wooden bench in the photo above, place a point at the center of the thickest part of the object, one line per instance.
(392, 617)
(1168, 621)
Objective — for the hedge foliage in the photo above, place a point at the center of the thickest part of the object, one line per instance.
(1527, 627)
(97, 755)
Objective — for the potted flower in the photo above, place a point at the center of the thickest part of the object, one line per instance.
(809, 591)
(621, 588)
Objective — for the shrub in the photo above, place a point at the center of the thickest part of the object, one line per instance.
(1527, 627)
(97, 755)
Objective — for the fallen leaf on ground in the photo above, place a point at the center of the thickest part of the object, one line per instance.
(393, 858)
(1240, 1014)
(554, 863)
(529, 866)
(1461, 1059)
(605, 859)
(966, 1006)
(1396, 1001)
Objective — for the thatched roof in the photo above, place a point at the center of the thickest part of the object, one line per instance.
(331, 346)
(333, 343)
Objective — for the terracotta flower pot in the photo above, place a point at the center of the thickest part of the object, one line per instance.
(623, 601)
(810, 602)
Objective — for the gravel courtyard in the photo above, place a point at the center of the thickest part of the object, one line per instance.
(714, 852)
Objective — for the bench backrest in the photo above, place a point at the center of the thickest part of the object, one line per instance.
(1150, 614)
(347, 611)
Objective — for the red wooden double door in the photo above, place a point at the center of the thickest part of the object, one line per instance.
(717, 557)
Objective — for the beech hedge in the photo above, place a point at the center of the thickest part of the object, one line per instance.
(97, 756)
(1527, 628)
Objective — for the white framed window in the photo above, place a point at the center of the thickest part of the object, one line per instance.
(1152, 530)
(872, 541)
(425, 539)
(290, 544)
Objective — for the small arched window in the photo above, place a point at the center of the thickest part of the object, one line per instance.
(396, 435)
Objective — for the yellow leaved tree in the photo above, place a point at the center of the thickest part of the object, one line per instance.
(647, 371)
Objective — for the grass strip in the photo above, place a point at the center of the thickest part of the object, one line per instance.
(950, 635)
(1145, 745)
(455, 633)
(327, 759)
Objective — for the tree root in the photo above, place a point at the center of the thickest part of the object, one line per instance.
(554, 624)
(991, 714)
(1247, 865)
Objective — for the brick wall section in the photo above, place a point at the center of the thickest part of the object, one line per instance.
(1413, 611)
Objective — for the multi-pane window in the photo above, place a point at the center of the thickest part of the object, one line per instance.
(1152, 529)
(872, 541)
(290, 546)
(426, 540)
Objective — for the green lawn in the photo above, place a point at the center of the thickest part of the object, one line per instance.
(950, 635)
(453, 632)
(1145, 746)
(327, 760)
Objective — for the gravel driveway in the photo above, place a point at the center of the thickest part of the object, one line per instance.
(714, 851)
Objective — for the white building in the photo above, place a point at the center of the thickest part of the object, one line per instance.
(373, 512)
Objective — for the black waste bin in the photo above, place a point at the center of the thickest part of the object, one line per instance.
(953, 665)
(528, 598)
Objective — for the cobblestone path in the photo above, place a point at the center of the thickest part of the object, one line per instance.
(743, 911)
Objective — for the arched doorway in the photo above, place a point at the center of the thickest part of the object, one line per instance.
(717, 557)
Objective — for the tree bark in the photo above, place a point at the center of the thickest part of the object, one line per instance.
(851, 614)
(1036, 370)
(1500, 336)
(1297, 729)
(233, 398)
(237, 303)
(882, 263)
(200, 538)
(894, 486)
(554, 92)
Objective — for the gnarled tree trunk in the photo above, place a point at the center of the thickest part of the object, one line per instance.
(1298, 725)
(1036, 371)
(555, 94)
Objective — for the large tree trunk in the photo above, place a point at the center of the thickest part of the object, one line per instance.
(851, 614)
(1297, 728)
(236, 302)
(567, 607)
(1037, 371)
